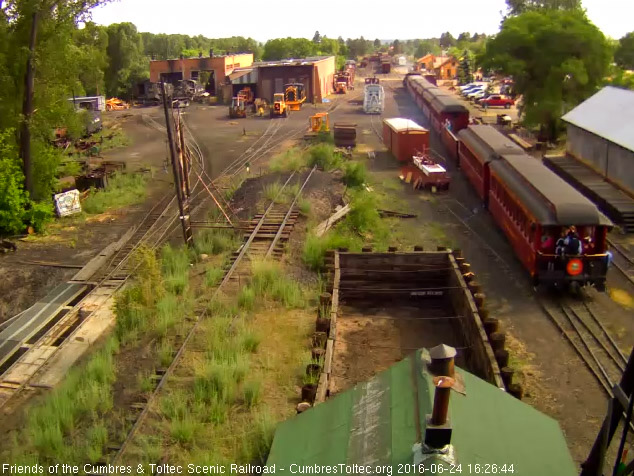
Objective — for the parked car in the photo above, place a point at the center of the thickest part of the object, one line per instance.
(116, 104)
(472, 85)
(475, 89)
(473, 93)
(479, 95)
(497, 100)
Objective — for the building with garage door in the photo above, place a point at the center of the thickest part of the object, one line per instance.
(601, 134)
(210, 71)
(316, 73)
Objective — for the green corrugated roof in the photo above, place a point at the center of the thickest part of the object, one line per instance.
(374, 423)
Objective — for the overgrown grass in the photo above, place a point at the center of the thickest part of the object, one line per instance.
(354, 174)
(304, 206)
(291, 160)
(213, 276)
(273, 193)
(215, 242)
(122, 190)
(84, 394)
(269, 281)
(362, 225)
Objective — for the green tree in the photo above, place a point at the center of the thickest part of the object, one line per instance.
(281, 48)
(624, 54)
(465, 68)
(556, 58)
(397, 47)
(447, 40)
(316, 37)
(426, 47)
(126, 63)
(377, 43)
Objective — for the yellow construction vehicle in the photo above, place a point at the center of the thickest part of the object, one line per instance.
(295, 96)
(317, 124)
(280, 107)
(237, 108)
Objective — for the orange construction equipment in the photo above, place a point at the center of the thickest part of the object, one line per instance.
(294, 95)
(116, 104)
(247, 94)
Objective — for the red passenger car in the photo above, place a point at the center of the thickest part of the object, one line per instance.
(477, 147)
(535, 208)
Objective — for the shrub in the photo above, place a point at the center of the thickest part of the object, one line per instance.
(273, 193)
(323, 156)
(363, 216)
(354, 174)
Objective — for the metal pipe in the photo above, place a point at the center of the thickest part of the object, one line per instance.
(441, 400)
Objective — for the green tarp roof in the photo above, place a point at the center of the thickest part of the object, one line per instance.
(375, 423)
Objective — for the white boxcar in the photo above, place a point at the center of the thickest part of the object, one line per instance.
(402, 61)
(373, 99)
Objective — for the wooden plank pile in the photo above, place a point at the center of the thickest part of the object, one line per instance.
(345, 134)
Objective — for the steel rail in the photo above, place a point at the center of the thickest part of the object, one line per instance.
(243, 250)
(288, 214)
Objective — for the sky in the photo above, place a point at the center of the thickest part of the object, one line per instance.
(403, 19)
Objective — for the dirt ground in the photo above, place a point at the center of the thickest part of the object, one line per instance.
(370, 339)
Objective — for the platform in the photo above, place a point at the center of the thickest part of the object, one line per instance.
(611, 200)
(35, 318)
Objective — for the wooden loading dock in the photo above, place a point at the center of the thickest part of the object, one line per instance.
(386, 305)
(610, 199)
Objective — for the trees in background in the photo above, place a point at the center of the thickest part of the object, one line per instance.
(517, 7)
(624, 54)
(557, 59)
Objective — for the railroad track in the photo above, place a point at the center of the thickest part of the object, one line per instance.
(265, 238)
(152, 229)
(585, 332)
(622, 261)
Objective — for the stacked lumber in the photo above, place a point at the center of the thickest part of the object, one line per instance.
(345, 134)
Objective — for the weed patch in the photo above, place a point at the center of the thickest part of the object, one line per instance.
(122, 190)
(354, 174)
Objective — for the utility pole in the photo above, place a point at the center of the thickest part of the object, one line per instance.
(183, 202)
(184, 157)
(27, 109)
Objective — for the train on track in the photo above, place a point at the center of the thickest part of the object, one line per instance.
(533, 206)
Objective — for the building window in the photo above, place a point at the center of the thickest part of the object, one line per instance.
(194, 75)
(236, 65)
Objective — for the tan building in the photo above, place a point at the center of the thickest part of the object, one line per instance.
(217, 67)
(316, 73)
(444, 67)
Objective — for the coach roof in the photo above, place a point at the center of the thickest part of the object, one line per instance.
(550, 199)
(487, 142)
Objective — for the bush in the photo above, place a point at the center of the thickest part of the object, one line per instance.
(16, 209)
(364, 216)
(324, 157)
(354, 174)
(251, 393)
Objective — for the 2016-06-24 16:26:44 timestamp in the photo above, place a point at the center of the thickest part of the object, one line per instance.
(471, 468)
